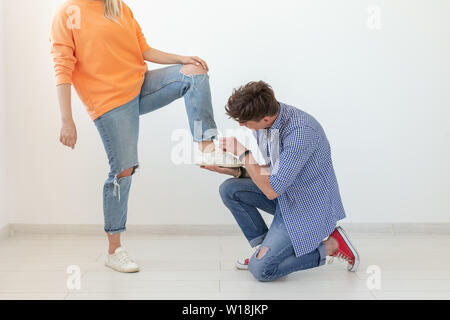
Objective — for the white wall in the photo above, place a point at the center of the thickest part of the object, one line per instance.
(3, 190)
(382, 96)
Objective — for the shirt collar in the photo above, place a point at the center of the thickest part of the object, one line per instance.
(277, 123)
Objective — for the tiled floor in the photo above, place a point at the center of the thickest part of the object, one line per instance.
(413, 266)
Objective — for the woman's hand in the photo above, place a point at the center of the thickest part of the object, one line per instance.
(68, 135)
(229, 171)
(194, 60)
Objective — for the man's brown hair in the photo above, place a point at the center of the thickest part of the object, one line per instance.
(252, 102)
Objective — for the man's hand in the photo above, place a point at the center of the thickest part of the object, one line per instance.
(232, 145)
(229, 171)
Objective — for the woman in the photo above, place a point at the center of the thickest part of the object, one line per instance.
(99, 47)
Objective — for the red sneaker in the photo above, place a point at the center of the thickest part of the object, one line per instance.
(346, 251)
(242, 264)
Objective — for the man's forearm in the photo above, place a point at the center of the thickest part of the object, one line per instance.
(160, 57)
(260, 176)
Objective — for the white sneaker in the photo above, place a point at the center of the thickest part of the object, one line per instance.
(242, 264)
(121, 261)
(217, 158)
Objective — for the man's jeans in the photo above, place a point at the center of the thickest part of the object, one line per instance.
(244, 198)
(119, 130)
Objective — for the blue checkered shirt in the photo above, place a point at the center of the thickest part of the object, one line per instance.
(302, 174)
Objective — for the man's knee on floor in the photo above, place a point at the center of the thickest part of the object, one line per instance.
(262, 252)
(192, 70)
(258, 268)
(126, 173)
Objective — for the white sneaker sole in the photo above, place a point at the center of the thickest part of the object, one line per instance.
(353, 267)
(131, 270)
(241, 266)
(237, 165)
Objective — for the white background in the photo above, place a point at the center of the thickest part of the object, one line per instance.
(382, 96)
(3, 210)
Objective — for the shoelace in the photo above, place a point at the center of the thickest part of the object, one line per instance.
(124, 258)
(341, 257)
(218, 157)
(225, 158)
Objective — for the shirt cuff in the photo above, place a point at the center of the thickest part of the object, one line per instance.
(276, 184)
(63, 79)
(144, 46)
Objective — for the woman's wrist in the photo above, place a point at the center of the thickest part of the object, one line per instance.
(181, 59)
(67, 120)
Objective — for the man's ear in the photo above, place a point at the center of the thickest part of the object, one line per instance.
(266, 119)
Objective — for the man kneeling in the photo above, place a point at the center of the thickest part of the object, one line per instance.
(298, 186)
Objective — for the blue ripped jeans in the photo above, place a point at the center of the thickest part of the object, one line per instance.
(244, 198)
(119, 130)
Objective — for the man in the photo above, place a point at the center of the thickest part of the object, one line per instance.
(298, 186)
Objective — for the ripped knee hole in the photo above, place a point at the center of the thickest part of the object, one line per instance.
(126, 173)
(262, 252)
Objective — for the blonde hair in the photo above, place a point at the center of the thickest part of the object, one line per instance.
(112, 9)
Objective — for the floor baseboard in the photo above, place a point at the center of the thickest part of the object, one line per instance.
(215, 230)
(197, 230)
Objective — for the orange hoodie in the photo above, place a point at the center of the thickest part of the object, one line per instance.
(103, 59)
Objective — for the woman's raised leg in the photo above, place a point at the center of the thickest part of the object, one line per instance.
(165, 85)
(162, 86)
